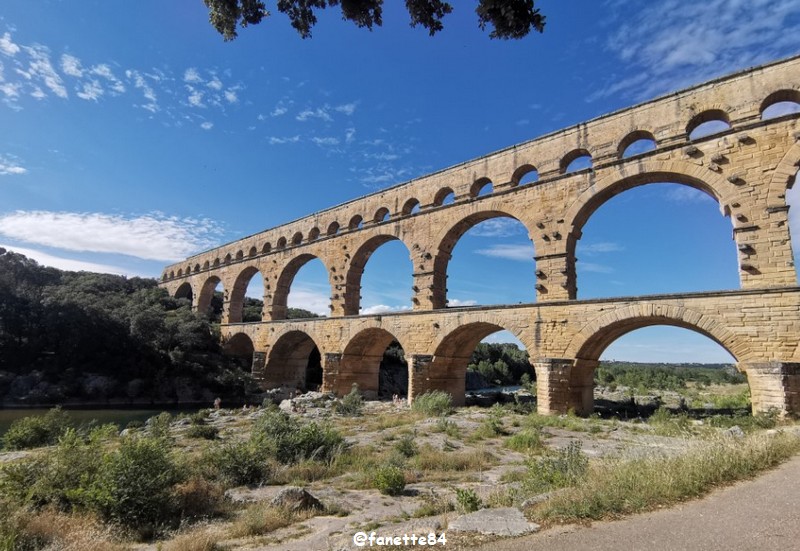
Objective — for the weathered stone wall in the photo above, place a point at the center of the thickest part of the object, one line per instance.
(746, 168)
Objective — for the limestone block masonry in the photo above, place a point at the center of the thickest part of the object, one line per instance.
(746, 168)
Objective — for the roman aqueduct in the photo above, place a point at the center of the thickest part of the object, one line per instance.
(747, 167)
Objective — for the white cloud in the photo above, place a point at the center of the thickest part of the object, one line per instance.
(455, 303)
(521, 253)
(686, 194)
(672, 44)
(68, 264)
(349, 135)
(10, 90)
(10, 166)
(40, 68)
(503, 337)
(382, 309)
(499, 227)
(71, 65)
(347, 108)
(230, 96)
(147, 91)
(318, 113)
(309, 299)
(594, 268)
(191, 75)
(90, 90)
(599, 248)
(7, 46)
(207, 125)
(325, 141)
(195, 97)
(274, 140)
(153, 236)
(105, 71)
(215, 83)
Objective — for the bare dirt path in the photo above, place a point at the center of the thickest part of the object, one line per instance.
(761, 514)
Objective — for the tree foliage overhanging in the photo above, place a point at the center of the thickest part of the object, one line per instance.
(92, 337)
(507, 18)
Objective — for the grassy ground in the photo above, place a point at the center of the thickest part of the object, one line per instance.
(448, 462)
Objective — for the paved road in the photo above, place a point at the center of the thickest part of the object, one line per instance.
(758, 515)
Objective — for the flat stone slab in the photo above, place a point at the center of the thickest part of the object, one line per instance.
(507, 521)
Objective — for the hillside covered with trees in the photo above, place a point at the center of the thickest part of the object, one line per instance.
(81, 337)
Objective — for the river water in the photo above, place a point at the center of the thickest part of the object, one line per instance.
(120, 417)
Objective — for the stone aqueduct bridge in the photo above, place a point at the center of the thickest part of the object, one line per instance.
(746, 169)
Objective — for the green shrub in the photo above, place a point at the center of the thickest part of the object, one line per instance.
(207, 432)
(433, 403)
(407, 446)
(158, 425)
(468, 500)
(566, 468)
(135, 424)
(351, 404)
(289, 441)
(525, 441)
(389, 480)
(450, 428)
(35, 431)
(237, 463)
(134, 486)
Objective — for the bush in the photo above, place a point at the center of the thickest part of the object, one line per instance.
(203, 431)
(525, 441)
(407, 446)
(351, 405)
(285, 439)
(134, 486)
(468, 501)
(35, 431)
(566, 468)
(199, 498)
(238, 463)
(433, 403)
(389, 480)
(159, 425)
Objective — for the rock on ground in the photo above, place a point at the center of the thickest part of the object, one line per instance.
(507, 521)
(296, 499)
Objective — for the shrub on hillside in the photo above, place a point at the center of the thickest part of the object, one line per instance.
(433, 403)
(35, 431)
(351, 405)
(389, 480)
(289, 441)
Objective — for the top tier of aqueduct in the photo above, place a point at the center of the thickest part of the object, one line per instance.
(552, 206)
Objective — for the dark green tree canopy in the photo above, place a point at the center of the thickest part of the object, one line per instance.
(506, 18)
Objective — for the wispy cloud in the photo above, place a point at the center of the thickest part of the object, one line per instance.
(328, 141)
(153, 236)
(685, 194)
(207, 125)
(594, 267)
(275, 140)
(309, 299)
(7, 46)
(672, 44)
(9, 165)
(520, 253)
(455, 303)
(69, 264)
(383, 309)
(321, 113)
(599, 248)
(71, 66)
(347, 108)
(499, 227)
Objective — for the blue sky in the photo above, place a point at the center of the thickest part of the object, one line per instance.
(134, 136)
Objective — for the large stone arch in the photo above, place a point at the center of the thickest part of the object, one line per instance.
(288, 358)
(355, 270)
(361, 359)
(619, 180)
(589, 343)
(238, 290)
(447, 239)
(280, 296)
(594, 337)
(186, 290)
(207, 293)
(448, 367)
